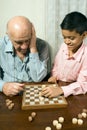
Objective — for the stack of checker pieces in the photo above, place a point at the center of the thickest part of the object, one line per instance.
(31, 98)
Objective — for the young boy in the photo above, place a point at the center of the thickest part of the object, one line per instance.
(70, 65)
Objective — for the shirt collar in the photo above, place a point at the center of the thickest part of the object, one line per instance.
(9, 46)
(78, 55)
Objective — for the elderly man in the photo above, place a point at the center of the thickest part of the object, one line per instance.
(23, 57)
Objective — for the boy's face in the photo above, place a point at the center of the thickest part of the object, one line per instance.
(72, 39)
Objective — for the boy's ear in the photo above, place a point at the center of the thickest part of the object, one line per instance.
(85, 34)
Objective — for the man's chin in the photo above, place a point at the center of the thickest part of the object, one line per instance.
(23, 52)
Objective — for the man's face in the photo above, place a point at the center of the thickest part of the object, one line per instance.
(72, 39)
(21, 42)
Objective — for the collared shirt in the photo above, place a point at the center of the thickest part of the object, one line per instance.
(73, 69)
(32, 69)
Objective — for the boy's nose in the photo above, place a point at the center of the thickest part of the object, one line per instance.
(67, 41)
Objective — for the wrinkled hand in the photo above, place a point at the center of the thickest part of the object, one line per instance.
(52, 91)
(32, 47)
(11, 88)
(52, 79)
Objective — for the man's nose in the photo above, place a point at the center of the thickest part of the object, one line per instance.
(24, 45)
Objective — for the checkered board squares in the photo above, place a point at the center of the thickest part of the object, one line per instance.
(31, 99)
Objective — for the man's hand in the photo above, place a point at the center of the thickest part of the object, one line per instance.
(52, 91)
(32, 47)
(10, 89)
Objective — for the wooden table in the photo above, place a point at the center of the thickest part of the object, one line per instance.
(17, 119)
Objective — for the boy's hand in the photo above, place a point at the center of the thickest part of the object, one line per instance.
(52, 79)
(52, 91)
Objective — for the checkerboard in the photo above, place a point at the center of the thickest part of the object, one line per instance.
(31, 98)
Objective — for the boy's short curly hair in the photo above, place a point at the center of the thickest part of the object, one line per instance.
(74, 21)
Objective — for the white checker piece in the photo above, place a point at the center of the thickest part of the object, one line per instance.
(60, 101)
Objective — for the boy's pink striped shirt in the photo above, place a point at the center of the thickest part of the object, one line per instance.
(73, 69)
